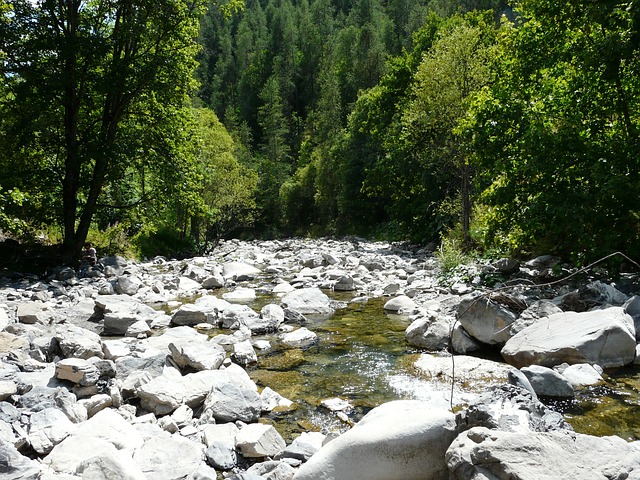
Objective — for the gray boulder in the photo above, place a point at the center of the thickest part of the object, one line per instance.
(485, 320)
(604, 337)
(15, 466)
(401, 304)
(431, 332)
(547, 382)
(258, 440)
(200, 355)
(168, 457)
(77, 342)
(232, 396)
(220, 440)
(493, 454)
(308, 301)
(47, 428)
(400, 440)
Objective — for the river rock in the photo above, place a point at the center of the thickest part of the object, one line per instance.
(240, 294)
(168, 457)
(47, 428)
(110, 466)
(77, 342)
(272, 470)
(605, 337)
(15, 466)
(399, 440)
(344, 284)
(128, 285)
(431, 332)
(163, 394)
(473, 371)
(191, 314)
(236, 316)
(232, 396)
(78, 371)
(198, 355)
(300, 338)
(483, 453)
(510, 408)
(243, 353)
(582, 375)
(547, 382)
(34, 312)
(304, 446)
(258, 440)
(537, 310)
(485, 320)
(239, 271)
(308, 301)
(272, 400)
(220, 441)
(401, 304)
(461, 342)
(7, 388)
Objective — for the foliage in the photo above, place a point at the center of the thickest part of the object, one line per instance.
(556, 134)
(94, 93)
(450, 255)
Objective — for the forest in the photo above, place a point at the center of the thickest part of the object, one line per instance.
(161, 127)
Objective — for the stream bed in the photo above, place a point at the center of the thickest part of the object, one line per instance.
(362, 358)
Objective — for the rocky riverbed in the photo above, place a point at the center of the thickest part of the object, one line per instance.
(165, 369)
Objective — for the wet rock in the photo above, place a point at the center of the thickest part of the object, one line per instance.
(398, 440)
(345, 284)
(235, 316)
(605, 337)
(484, 453)
(257, 440)
(547, 382)
(272, 400)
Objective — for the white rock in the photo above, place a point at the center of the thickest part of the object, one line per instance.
(199, 355)
(583, 374)
(302, 337)
(308, 301)
(401, 304)
(488, 454)
(240, 294)
(400, 440)
(47, 428)
(168, 457)
(244, 354)
(78, 371)
(259, 440)
(604, 337)
(110, 466)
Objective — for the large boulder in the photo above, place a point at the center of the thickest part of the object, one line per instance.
(168, 457)
(232, 396)
(485, 320)
(430, 331)
(604, 337)
(400, 440)
(199, 355)
(308, 301)
(493, 454)
(547, 382)
(77, 342)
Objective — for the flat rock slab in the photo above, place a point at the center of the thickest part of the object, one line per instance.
(603, 337)
(483, 453)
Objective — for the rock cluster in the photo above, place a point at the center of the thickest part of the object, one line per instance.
(139, 370)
